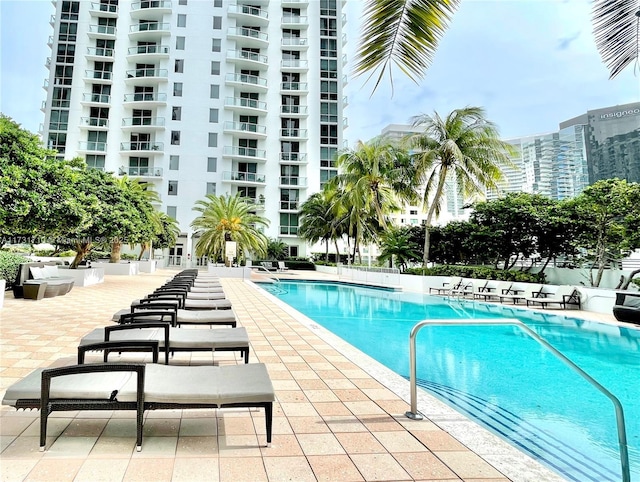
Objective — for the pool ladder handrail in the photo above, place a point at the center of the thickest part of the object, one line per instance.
(270, 273)
(415, 415)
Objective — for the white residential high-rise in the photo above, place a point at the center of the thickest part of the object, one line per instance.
(202, 96)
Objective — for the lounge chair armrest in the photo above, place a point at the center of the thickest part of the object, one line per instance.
(128, 345)
(142, 317)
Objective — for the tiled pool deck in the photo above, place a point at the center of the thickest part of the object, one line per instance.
(338, 417)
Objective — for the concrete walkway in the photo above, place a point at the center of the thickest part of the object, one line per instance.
(333, 420)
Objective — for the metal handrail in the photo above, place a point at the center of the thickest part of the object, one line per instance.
(415, 415)
(270, 273)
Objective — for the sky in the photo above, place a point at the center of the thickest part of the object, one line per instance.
(530, 64)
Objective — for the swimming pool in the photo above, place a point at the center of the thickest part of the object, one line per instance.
(497, 374)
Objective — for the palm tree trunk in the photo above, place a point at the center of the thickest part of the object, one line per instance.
(432, 209)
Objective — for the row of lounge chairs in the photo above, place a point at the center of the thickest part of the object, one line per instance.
(153, 324)
(506, 291)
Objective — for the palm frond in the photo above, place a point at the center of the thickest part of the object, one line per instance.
(404, 33)
(616, 28)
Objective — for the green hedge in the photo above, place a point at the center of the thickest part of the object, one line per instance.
(299, 263)
(9, 265)
(479, 272)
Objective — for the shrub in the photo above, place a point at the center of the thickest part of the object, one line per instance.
(9, 265)
(479, 272)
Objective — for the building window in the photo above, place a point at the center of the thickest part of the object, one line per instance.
(174, 163)
(179, 66)
(213, 115)
(173, 188)
(59, 120)
(214, 91)
(211, 188)
(217, 3)
(182, 20)
(177, 89)
(95, 161)
(213, 139)
(216, 45)
(176, 113)
(182, 2)
(215, 67)
(217, 23)
(175, 138)
(172, 212)
(212, 164)
(180, 41)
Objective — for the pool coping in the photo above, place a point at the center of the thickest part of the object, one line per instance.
(515, 464)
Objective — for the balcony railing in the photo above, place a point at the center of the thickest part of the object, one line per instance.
(245, 152)
(293, 181)
(244, 102)
(294, 42)
(148, 49)
(94, 122)
(295, 64)
(92, 146)
(102, 29)
(294, 20)
(247, 79)
(143, 121)
(96, 98)
(151, 4)
(103, 7)
(245, 127)
(149, 27)
(99, 52)
(140, 171)
(98, 74)
(289, 230)
(142, 146)
(294, 109)
(147, 73)
(293, 132)
(245, 55)
(248, 10)
(248, 32)
(289, 205)
(243, 176)
(293, 157)
(146, 97)
(294, 86)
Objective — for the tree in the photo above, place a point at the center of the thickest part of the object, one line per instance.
(608, 215)
(165, 236)
(406, 33)
(464, 146)
(395, 244)
(228, 218)
(277, 249)
(38, 197)
(323, 219)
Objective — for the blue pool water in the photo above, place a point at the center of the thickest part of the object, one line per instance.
(497, 374)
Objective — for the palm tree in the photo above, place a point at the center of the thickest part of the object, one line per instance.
(277, 249)
(321, 219)
(395, 244)
(406, 33)
(228, 218)
(165, 236)
(463, 145)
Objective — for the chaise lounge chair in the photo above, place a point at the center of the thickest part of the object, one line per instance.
(493, 289)
(453, 284)
(140, 387)
(519, 294)
(562, 296)
(627, 307)
(186, 317)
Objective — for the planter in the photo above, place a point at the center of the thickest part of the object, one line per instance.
(85, 276)
(118, 269)
(149, 266)
(241, 272)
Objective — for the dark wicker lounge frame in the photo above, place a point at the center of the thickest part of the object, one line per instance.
(46, 405)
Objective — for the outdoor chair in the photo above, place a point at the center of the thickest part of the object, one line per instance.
(519, 294)
(140, 387)
(627, 307)
(562, 296)
(281, 267)
(453, 283)
(493, 289)
(211, 318)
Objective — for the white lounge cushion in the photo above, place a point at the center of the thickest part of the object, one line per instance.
(217, 295)
(184, 338)
(50, 271)
(207, 304)
(36, 273)
(206, 316)
(98, 335)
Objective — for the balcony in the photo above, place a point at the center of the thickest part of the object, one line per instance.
(149, 32)
(248, 37)
(295, 21)
(150, 9)
(237, 177)
(145, 171)
(92, 146)
(248, 83)
(293, 133)
(102, 10)
(248, 153)
(147, 77)
(94, 123)
(143, 124)
(292, 181)
(294, 110)
(246, 130)
(148, 147)
(295, 43)
(99, 54)
(256, 204)
(295, 65)
(248, 15)
(98, 76)
(148, 52)
(102, 32)
(146, 99)
(294, 87)
(289, 230)
(246, 106)
(293, 157)
(96, 99)
(247, 60)
(295, 3)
